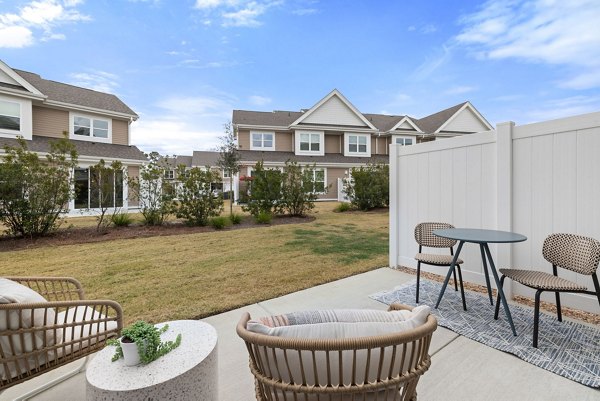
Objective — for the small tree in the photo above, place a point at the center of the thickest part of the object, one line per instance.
(155, 195)
(229, 158)
(35, 192)
(104, 184)
(369, 186)
(297, 189)
(196, 202)
(265, 191)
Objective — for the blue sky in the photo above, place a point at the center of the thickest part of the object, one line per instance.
(183, 66)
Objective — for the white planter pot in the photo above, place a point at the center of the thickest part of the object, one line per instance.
(130, 353)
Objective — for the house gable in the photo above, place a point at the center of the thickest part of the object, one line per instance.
(14, 80)
(466, 119)
(406, 124)
(334, 109)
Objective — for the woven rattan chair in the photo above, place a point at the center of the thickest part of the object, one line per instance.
(77, 329)
(425, 238)
(384, 368)
(569, 251)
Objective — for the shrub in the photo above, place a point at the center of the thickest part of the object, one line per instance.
(264, 191)
(298, 194)
(103, 180)
(218, 222)
(121, 219)
(235, 218)
(35, 192)
(369, 186)
(264, 218)
(343, 207)
(196, 201)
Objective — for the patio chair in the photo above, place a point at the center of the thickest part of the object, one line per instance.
(382, 367)
(569, 251)
(425, 238)
(46, 323)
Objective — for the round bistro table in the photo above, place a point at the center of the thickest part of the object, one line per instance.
(189, 372)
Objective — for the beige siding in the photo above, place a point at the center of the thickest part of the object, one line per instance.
(244, 139)
(284, 142)
(49, 122)
(465, 121)
(120, 132)
(133, 172)
(334, 111)
(332, 143)
(379, 145)
(332, 179)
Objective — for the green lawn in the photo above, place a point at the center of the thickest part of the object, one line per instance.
(196, 275)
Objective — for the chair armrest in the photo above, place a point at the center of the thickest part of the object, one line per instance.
(53, 288)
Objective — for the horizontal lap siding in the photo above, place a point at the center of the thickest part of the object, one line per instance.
(49, 122)
(133, 172)
(120, 132)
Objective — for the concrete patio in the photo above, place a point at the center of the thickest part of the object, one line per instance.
(461, 369)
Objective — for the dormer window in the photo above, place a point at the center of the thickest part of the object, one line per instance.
(310, 143)
(260, 140)
(10, 116)
(357, 145)
(90, 128)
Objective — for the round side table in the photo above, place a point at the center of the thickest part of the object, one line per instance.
(189, 372)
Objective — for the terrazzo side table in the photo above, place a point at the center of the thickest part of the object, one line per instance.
(189, 372)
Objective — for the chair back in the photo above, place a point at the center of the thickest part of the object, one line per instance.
(573, 252)
(424, 235)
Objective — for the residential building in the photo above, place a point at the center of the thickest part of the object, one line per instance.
(336, 137)
(97, 123)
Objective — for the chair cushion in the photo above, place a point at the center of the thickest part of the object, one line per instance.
(435, 259)
(541, 280)
(82, 314)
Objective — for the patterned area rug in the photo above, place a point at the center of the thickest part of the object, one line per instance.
(566, 348)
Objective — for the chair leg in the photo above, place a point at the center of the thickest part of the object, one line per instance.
(498, 299)
(558, 311)
(596, 286)
(462, 288)
(455, 282)
(418, 279)
(536, 318)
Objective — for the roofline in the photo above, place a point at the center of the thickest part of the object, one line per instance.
(408, 120)
(470, 107)
(16, 92)
(89, 159)
(24, 83)
(317, 164)
(337, 93)
(268, 127)
(72, 106)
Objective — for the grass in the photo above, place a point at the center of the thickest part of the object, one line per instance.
(196, 275)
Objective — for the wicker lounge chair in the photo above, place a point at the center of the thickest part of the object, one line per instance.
(569, 251)
(72, 328)
(383, 367)
(425, 238)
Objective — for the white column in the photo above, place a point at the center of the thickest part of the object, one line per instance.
(504, 160)
(394, 206)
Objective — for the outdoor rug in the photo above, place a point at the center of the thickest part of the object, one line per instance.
(566, 348)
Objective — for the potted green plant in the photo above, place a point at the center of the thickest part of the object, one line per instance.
(141, 343)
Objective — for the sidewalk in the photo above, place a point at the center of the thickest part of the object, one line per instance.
(461, 369)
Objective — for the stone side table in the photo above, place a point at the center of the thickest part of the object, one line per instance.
(189, 372)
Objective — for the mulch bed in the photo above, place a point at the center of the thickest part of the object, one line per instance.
(587, 317)
(72, 236)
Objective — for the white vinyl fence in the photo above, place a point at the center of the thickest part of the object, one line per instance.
(534, 179)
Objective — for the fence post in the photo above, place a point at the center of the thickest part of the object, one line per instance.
(504, 160)
(394, 207)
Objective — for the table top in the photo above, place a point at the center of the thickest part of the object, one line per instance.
(198, 339)
(479, 236)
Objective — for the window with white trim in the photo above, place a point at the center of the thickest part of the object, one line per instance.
(318, 180)
(169, 174)
(404, 140)
(91, 128)
(225, 173)
(88, 192)
(262, 140)
(310, 143)
(10, 116)
(357, 144)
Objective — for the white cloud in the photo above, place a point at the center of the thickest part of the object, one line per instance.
(100, 81)
(37, 18)
(259, 100)
(194, 106)
(237, 13)
(429, 28)
(246, 17)
(459, 90)
(442, 56)
(305, 11)
(541, 31)
(564, 107)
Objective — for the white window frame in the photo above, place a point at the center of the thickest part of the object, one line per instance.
(262, 141)
(225, 173)
(320, 152)
(88, 167)
(90, 138)
(169, 174)
(314, 170)
(25, 119)
(347, 152)
(404, 137)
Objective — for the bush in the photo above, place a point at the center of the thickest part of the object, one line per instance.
(264, 192)
(264, 218)
(218, 223)
(297, 189)
(197, 203)
(343, 207)
(34, 192)
(369, 186)
(235, 218)
(121, 219)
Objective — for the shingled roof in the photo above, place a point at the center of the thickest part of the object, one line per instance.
(282, 157)
(75, 95)
(434, 121)
(84, 148)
